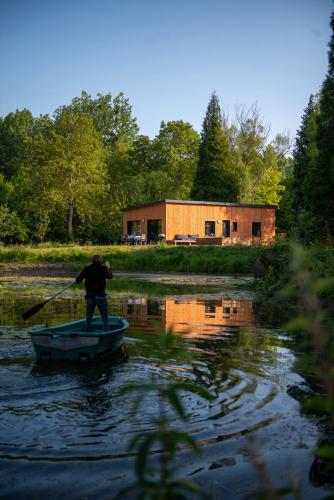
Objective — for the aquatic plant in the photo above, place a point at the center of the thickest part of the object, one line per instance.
(155, 477)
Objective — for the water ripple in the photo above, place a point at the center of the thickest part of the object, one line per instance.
(75, 413)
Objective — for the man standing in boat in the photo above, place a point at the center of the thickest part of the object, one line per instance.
(95, 276)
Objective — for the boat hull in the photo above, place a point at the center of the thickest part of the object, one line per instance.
(70, 341)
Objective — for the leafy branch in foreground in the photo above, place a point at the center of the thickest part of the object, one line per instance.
(315, 324)
(155, 478)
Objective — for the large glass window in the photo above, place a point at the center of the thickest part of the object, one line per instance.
(210, 228)
(256, 229)
(134, 227)
(154, 228)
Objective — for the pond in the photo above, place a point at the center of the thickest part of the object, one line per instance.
(64, 428)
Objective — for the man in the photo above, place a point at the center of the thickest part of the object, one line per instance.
(95, 277)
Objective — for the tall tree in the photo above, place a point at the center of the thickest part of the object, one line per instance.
(321, 188)
(216, 176)
(78, 163)
(304, 158)
(112, 116)
(175, 153)
(15, 129)
(268, 187)
(65, 174)
(260, 165)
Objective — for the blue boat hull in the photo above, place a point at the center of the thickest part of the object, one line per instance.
(70, 341)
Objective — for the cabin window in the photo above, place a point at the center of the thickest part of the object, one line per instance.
(235, 227)
(226, 228)
(210, 228)
(210, 311)
(210, 308)
(153, 308)
(130, 309)
(256, 229)
(134, 227)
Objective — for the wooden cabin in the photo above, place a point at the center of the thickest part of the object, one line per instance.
(200, 222)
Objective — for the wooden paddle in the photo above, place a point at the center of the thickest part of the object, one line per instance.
(36, 308)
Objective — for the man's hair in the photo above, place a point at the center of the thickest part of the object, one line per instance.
(97, 259)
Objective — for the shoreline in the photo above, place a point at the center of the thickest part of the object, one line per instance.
(63, 270)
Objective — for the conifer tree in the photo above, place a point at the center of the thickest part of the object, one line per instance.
(321, 187)
(216, 178)
(304, 156)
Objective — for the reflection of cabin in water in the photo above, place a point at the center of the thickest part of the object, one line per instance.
(185, 314)
(200, 222)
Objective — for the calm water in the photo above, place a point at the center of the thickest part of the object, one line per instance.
(64, 429)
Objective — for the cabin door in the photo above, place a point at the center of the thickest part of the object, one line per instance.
(226, 228)
(154, 228)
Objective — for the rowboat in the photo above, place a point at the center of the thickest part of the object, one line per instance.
(71, 342)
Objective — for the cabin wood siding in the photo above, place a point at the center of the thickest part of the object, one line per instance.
(188, 218)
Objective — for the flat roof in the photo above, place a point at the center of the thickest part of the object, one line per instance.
(192, 202)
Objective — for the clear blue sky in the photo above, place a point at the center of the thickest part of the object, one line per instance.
(166, 56)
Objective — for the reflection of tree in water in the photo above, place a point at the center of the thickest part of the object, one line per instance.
(237, 351)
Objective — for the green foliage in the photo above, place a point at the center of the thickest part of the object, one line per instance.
(11, 227)
(155, 477)
(77, 161)
(261, 165)
(15, 129)
(89, 163)
(175, 153)
(302, 185)
(322, 173)
(140, 155)
(312, 203)
(314, 324)
(216, 177)
(67, 166)
(42, 227)
(112, 117)
(6, 190)
(236, 163)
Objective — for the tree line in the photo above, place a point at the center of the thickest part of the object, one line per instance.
(310, 204)
(68, 176)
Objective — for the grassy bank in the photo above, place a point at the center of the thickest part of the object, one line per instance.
(162, 258)
(201, 259)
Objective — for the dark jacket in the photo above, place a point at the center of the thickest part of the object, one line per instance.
(95, 277)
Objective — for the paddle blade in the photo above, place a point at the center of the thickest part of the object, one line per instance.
(33, 310)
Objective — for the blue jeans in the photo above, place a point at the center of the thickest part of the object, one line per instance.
(101, 302)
